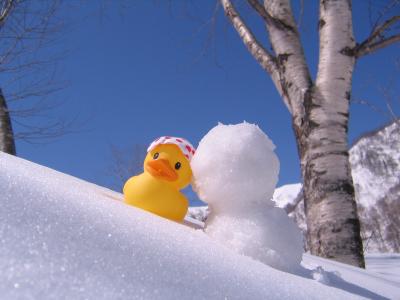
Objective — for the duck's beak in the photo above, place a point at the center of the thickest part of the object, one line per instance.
(160, 168)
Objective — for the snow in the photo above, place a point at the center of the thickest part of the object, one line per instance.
(286, 195)
(385, 265)
(375, 164)
(235, 171)
(199, 213)
(217, 156)
(370, 284)
(64, 238)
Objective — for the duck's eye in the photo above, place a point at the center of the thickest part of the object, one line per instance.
(177, 165)
(155, 156)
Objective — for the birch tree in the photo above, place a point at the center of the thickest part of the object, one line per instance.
(320, 110)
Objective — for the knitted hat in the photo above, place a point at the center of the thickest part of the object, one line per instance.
(187, 149)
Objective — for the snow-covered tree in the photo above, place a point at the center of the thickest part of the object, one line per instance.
(319, 109)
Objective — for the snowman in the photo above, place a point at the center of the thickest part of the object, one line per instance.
(235, 171)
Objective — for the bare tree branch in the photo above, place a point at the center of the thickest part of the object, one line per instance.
(42, 133)
(381, 13)
(28, 30)
(5, 11)
(377, 39)
(370, 48)
(209, 43)
(264, 58)
(124, 163)
(382, 28)
(260, 10)
(267, 61)
(374, 108)
(389, 95)
(294, 76)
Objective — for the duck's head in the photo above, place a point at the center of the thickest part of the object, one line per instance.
(168, 160)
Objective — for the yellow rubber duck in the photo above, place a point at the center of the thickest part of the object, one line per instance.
(166, 171)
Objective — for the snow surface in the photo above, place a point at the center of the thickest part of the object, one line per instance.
(286, 195)
(380, 281)
(386, 265)
(235, 171)
(63, 238)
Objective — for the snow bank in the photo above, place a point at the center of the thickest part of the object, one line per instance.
(63, 238)
(381, 280)
(235, 171)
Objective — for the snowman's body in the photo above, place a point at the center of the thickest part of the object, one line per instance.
(235, 171)
(268, 236)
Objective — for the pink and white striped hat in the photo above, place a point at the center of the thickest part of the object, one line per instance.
(187, 149)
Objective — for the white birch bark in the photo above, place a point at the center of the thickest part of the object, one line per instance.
(332, 221)
(263, 57)
(320, 119)
(295, 79)
(320, 111)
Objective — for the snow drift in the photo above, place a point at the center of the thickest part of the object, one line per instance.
(63, 238)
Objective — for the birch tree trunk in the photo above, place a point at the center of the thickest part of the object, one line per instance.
(331, 212)
(7, 143)
(320, 112)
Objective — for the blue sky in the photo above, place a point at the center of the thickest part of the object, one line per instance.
(138, 73)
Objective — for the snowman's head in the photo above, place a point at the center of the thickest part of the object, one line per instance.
(235, 167)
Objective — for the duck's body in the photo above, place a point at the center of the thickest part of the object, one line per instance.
(155, 196)
(166, 171)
